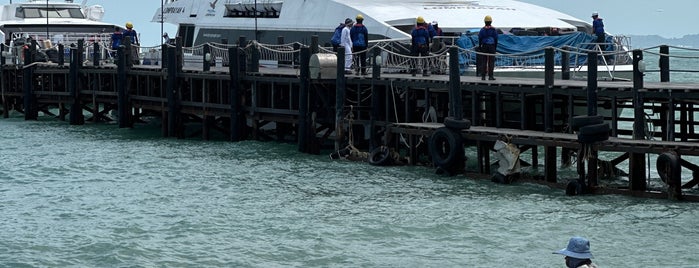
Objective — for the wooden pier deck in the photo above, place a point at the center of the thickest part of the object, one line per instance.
(288, 105)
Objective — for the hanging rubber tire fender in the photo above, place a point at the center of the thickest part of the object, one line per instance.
(454, 123)
(585, 120)
(380, 156)
(446, 146)
(593, 133)
(669, 168)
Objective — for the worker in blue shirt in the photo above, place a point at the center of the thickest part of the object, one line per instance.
(133, 36)
(598, 30)
(360, 42)
(488, 43)
(420, 45)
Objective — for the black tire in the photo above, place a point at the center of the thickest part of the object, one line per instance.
(446, 147)
(574, 188)
(453, 123)
(592, 138)
(669, 169)
(585, 120)
(380, 156)
(593, 133)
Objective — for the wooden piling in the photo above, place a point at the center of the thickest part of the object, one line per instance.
(123, 106)
(76, 112)
(236, 97)
(30, 112)
(637, 161)
(304, 127)
(340, 98)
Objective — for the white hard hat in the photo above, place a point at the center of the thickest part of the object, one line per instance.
(594, 14)
(435, 22)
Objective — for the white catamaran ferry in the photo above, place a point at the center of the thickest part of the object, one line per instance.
(212, 21)
(53, 22)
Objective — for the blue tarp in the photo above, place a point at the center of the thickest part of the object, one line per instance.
(529, 46)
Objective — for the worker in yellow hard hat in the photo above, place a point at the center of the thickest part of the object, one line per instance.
(420, 46)
(133, 37)
(360, 42)
(488, 44)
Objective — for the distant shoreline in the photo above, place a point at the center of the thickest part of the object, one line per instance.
(645, 41)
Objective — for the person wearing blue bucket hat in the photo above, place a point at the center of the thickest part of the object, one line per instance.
(577, 253)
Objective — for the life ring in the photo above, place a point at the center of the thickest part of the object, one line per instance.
(669, 168)
(380, 156)
(446, 147)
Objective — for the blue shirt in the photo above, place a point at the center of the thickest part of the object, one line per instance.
(420, 35)
(598, 26)
(488, 36)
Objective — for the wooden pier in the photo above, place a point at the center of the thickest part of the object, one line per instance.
(384, 110)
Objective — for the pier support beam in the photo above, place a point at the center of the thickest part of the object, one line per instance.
(304, 131)
(30, 112)
(637, 161)
(76, 113)
(123, 102)
(173, 122)
(236, 97)
(340, 89)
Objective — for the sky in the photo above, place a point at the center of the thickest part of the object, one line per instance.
(669, 18)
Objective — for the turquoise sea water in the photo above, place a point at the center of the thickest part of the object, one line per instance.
(100, 196)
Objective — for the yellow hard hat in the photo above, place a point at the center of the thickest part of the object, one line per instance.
(129, 25)
(420, 19)
(488, 18)
(360, 17)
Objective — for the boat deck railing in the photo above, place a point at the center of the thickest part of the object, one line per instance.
(395, 55)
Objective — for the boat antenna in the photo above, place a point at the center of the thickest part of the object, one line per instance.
(47, 20)
(162, 17)
(256, 33)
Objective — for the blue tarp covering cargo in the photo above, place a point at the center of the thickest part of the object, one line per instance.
(530, 49)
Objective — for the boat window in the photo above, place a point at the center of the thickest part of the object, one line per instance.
(51, 12)
(250, 9)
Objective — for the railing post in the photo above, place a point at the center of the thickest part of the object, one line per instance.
(314, 44)
(243, 60)
(96, 55)
(206, 60)
(61, 55)
(255, 59)
(664, 63)
(225, 60)
(455, 85)
(2, 55)
(565, 63)
(592, 83)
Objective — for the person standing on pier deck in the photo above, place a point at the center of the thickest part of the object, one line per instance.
(420, 45)
(116, 41)
(577, 253)
(346, 42)
(360, 42)
(598, 30)
(133, 36)
(488, 43)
